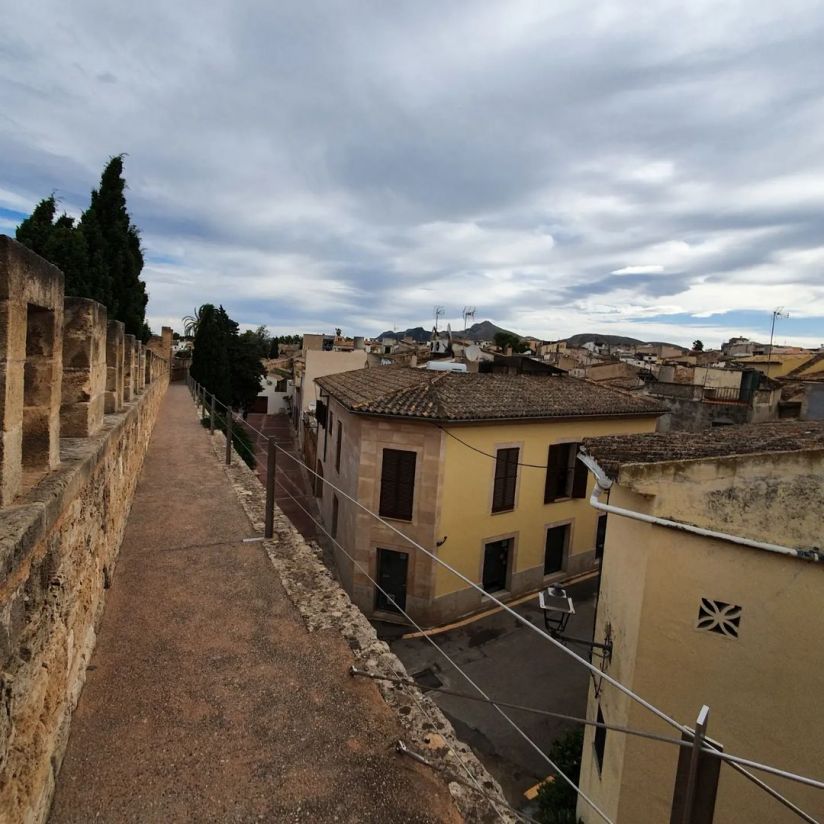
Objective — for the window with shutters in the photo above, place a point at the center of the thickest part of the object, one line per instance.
(337, 447)
(397, 484)
(566, 476)
(506, 479)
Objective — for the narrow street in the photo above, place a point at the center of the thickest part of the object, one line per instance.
(294, 484)
(512, 664)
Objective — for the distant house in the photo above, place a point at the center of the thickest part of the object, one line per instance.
(479, 468)
(710, 619)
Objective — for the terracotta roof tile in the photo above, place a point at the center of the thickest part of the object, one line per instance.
(612, 452)
(457, 396)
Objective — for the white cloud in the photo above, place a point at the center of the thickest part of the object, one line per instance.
(645, 269)
(568, 166)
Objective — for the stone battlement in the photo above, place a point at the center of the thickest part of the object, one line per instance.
(78, 401)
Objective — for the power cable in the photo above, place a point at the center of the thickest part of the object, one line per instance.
(526, 738)
(411, 693)
(679, 742)
(597, 672)
(488, 454)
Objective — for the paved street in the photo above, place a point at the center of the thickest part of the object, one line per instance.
(511, 663)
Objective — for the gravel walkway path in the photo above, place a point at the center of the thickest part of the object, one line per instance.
(206, 698)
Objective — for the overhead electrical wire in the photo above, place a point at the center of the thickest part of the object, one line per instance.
(442, 652)
(596, 671)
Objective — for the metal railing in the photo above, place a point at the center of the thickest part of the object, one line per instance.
(222, 416)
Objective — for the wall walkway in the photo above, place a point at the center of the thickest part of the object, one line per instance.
(207, 698)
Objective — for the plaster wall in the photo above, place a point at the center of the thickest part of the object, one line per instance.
(319, 363)
(452, 505)
(466, 516)
(762, 687)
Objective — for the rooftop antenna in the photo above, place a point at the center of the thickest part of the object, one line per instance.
(468, 312)
(777, 313)
(439, 313)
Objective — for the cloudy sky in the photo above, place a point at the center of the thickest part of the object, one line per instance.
(653, 169)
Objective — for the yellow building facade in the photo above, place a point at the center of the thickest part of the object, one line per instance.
(698, 620)
(510, 528)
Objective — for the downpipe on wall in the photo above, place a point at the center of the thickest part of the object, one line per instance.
(603, 483)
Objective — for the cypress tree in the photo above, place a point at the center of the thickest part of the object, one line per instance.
(210, 358)
(58, 241)
(115, 256)
(101, 255)
(36, 230)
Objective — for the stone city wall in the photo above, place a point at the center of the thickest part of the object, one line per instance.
(78, 401)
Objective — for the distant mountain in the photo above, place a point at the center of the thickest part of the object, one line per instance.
(613, 340)
(485, 330)
(420, 334)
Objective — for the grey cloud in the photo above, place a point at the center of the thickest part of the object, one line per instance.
(328, 137)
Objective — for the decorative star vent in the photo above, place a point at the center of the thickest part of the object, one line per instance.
(719, 617)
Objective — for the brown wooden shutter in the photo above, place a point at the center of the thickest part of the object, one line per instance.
(398, 484)
(580, 475)
(556, 472)
(506, 478)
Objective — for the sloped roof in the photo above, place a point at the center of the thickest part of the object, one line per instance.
(454, 396)
(612, 452)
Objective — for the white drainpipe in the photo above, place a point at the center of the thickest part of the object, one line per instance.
(603, 483)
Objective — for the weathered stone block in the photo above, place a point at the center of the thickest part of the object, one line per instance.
(84, 367)
(12, 330)
(115, 332)
(11, 459)
(54, 544)
(128, 368)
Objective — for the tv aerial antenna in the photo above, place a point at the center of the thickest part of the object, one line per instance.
(439, 313)
(468, 313)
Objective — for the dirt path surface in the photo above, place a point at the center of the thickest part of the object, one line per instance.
(206, 698)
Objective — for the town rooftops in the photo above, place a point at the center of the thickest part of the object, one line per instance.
(454, 397)
(613, 452)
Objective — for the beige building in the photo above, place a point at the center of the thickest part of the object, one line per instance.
(698, 619)
(315, 364)
(477, 468)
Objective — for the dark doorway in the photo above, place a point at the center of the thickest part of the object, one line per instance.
(260, 405)
(392, 571)
(496, 564)
(557, 540)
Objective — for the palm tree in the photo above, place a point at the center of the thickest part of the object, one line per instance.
(191, 322)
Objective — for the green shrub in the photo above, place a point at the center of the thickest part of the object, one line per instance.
(556, 799)
(240, 439)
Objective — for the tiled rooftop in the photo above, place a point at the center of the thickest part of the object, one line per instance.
(455, 396)
(615, 451)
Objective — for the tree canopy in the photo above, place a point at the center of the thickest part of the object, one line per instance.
(100, 255)
(697, 346)
(227, 364)
(504, 339)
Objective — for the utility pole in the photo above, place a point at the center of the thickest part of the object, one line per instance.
(777, 313)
